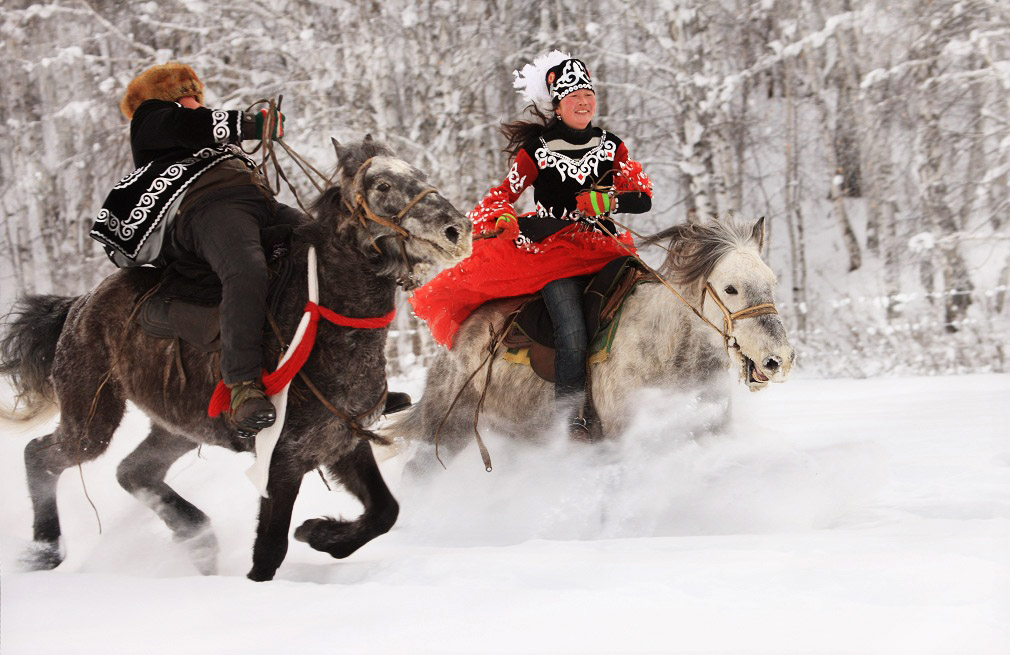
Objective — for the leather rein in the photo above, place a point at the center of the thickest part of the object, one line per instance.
(361, 211)
(728, 317)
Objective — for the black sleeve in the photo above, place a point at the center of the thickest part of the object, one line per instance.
(633, 202)
(160, 125)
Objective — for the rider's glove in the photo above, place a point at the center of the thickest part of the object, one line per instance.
(594, 203)
(509, 226)
(264, 117)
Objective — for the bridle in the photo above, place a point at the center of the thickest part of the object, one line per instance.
(361, 211)
(729, 317)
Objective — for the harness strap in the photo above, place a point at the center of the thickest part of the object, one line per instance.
(352, 421)
(274, 382)
(728, 317)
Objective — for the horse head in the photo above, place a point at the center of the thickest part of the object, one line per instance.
(397, 214)
(721, 263)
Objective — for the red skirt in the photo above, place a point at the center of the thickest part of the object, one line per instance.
(498, 269)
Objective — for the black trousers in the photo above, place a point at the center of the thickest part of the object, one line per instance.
(222, 228)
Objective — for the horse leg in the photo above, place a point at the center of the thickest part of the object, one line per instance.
(360, 475)
(275, 515)
(441, 430)
(143, 473)
(77, 439)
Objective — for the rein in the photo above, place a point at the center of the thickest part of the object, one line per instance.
(361, 210)
(270, 156)
(728, 317)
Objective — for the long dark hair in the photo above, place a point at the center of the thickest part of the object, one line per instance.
(520, 132)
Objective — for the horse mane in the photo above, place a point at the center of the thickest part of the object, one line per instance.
(695, 248)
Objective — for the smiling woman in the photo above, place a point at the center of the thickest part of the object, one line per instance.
(580, 174)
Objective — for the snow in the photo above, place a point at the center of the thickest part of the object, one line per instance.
(922, 242)
(836, 516)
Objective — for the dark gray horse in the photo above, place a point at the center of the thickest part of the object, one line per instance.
(84, 355)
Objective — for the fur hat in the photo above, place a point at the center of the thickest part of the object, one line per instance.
(169, 81)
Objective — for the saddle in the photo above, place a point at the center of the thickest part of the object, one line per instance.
(185, 304)
(529, 339)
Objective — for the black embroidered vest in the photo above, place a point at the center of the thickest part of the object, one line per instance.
(172, 147)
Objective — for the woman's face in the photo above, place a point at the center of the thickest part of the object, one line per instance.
(577, 108)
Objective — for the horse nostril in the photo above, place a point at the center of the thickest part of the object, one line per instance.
(452, 234)
(771, 363)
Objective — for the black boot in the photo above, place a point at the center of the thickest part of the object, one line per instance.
(251, 410)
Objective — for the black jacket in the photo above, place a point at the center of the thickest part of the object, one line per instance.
(172, 147)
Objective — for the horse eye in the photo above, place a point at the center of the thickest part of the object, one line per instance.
(731, 290)
(383, 186)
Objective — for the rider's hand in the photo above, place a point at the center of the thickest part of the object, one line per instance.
(594, 203)
(509, 226)
(274, 118)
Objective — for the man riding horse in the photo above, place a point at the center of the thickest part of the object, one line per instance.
(196, 197)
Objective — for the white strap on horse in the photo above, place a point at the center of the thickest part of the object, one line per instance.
(266, 439)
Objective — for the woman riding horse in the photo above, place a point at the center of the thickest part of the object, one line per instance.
(566, 159)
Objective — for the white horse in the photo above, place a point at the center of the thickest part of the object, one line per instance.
(662, 342)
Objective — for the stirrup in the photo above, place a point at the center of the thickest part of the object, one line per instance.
(579, 429)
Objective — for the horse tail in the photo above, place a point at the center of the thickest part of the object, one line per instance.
(27, 349)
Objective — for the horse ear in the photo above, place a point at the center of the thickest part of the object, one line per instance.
(368, 138)
(758, 233)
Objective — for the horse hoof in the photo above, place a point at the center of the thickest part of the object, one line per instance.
(260, 576)
(202, 549)
(328, 536)
(43, 555)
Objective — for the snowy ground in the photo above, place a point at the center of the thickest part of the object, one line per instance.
(840, 517)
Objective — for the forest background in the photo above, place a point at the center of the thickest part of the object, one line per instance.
(874, 136)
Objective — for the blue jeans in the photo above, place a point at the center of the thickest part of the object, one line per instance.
(564, 304)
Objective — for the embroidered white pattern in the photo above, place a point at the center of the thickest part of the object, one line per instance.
(573, 77)
(516, 183)
(132, 177)
(220, 128)
(125, 229)
(547, 212)
(579, 169)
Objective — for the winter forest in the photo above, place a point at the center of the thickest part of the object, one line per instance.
(862, 509)
(874, 136)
